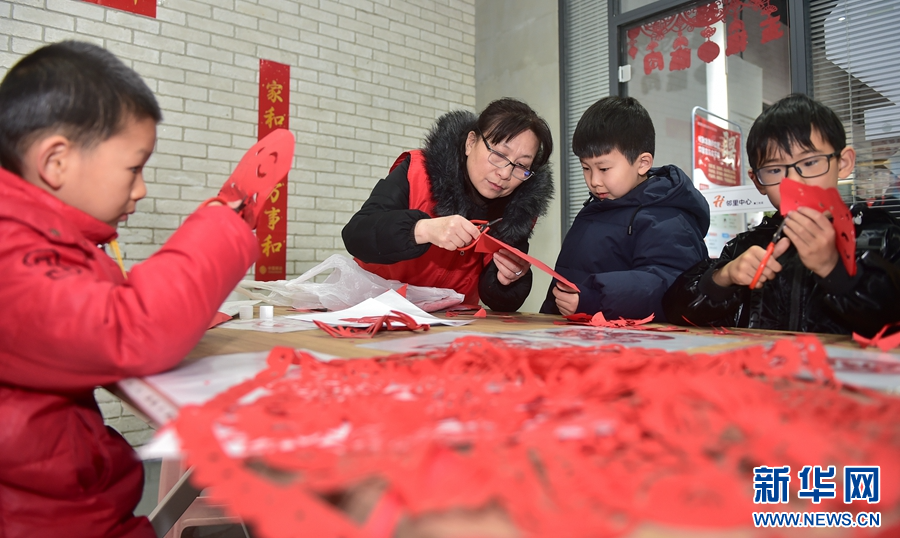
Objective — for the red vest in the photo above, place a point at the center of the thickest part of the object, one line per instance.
(437, 268)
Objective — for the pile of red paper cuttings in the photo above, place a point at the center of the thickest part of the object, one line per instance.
(575, 442)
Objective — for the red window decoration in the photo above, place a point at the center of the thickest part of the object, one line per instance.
(703, 16)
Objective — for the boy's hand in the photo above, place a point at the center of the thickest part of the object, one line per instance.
(813, 235)
(509, 266)
(741, 270)
(566, 299)
(449, 233)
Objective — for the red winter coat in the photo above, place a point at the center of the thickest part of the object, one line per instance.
(71, 322)
(438, 268)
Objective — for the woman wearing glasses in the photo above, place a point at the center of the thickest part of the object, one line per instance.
(418, 221)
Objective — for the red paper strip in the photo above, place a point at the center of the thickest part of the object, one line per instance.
(884, 343)
(138, 7)
(795, 195)
(218, 319)
(489, 245)
(274, 115)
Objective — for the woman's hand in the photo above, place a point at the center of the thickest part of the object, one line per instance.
(449, 233)
(509, 266)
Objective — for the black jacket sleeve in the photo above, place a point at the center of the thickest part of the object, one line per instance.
(383, 230)
(695, 299)
(498, 297)
(869, 300)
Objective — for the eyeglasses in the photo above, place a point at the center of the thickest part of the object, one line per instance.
(502, 161)
(814, 166)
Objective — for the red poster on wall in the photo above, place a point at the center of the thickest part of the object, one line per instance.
(271, 228)
(140, 7)
(717, 153)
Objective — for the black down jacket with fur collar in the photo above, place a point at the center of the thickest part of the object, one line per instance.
(382, 231)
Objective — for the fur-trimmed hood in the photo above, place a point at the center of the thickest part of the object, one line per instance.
(445, 164)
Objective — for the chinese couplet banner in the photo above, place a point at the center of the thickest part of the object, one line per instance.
(717, 153)
(271, 229)
(140, 7)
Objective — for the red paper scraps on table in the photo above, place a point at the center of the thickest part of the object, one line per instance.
(576, 442)
(218, 319)
(599, 320)
(795, 195)
(395, 321)
(884, 343)
(489, 245)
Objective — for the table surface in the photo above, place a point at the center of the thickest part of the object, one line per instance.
(219, 341)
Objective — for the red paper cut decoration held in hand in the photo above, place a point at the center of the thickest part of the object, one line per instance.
(488, 244)
(577, 442)
(261, 168)
(795, 195)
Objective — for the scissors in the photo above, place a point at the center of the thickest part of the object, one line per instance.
(487, 225)
(775, 238)
(483, 226)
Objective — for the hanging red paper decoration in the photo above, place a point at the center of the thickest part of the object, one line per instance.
(737, 38)
(771, 25)
(681, 55)
(575, 442)
(704, 16)
(633, 34)
(709, 50)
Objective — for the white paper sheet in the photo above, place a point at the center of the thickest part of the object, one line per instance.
(378, 306)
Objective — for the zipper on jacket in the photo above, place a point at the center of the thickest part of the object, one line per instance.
(794, 324)
(633, 215)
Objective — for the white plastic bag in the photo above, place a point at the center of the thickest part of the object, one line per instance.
(346, 286)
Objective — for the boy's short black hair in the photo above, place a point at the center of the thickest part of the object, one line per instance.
(614, 122)
(791, 121)
(73, 88)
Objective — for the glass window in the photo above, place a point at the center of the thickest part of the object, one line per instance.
(856, 72)
(722, 62)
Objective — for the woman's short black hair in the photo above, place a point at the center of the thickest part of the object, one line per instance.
(614, 122)
(790, 121)
(506, 118)
(73, 88)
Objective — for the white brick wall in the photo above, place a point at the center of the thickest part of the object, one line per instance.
(369, 77)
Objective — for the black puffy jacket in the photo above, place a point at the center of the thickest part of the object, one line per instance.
(798, 299)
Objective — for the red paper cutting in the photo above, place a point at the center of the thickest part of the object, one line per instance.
(489, 245)
(576, 442)
(884, 343)
(218, 319)
(795, 195)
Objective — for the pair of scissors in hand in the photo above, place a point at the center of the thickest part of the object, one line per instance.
(762, 266)
(483, 226)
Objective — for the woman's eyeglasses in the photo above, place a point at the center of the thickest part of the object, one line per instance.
(814, 166)
(502, 161)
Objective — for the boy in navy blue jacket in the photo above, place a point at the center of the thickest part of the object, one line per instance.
(641, 226)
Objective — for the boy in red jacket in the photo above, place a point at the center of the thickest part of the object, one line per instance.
(76, 129)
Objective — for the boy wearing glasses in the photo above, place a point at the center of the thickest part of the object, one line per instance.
(804, 286)
(641, 226)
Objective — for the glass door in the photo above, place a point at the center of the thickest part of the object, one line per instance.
(705, 71)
